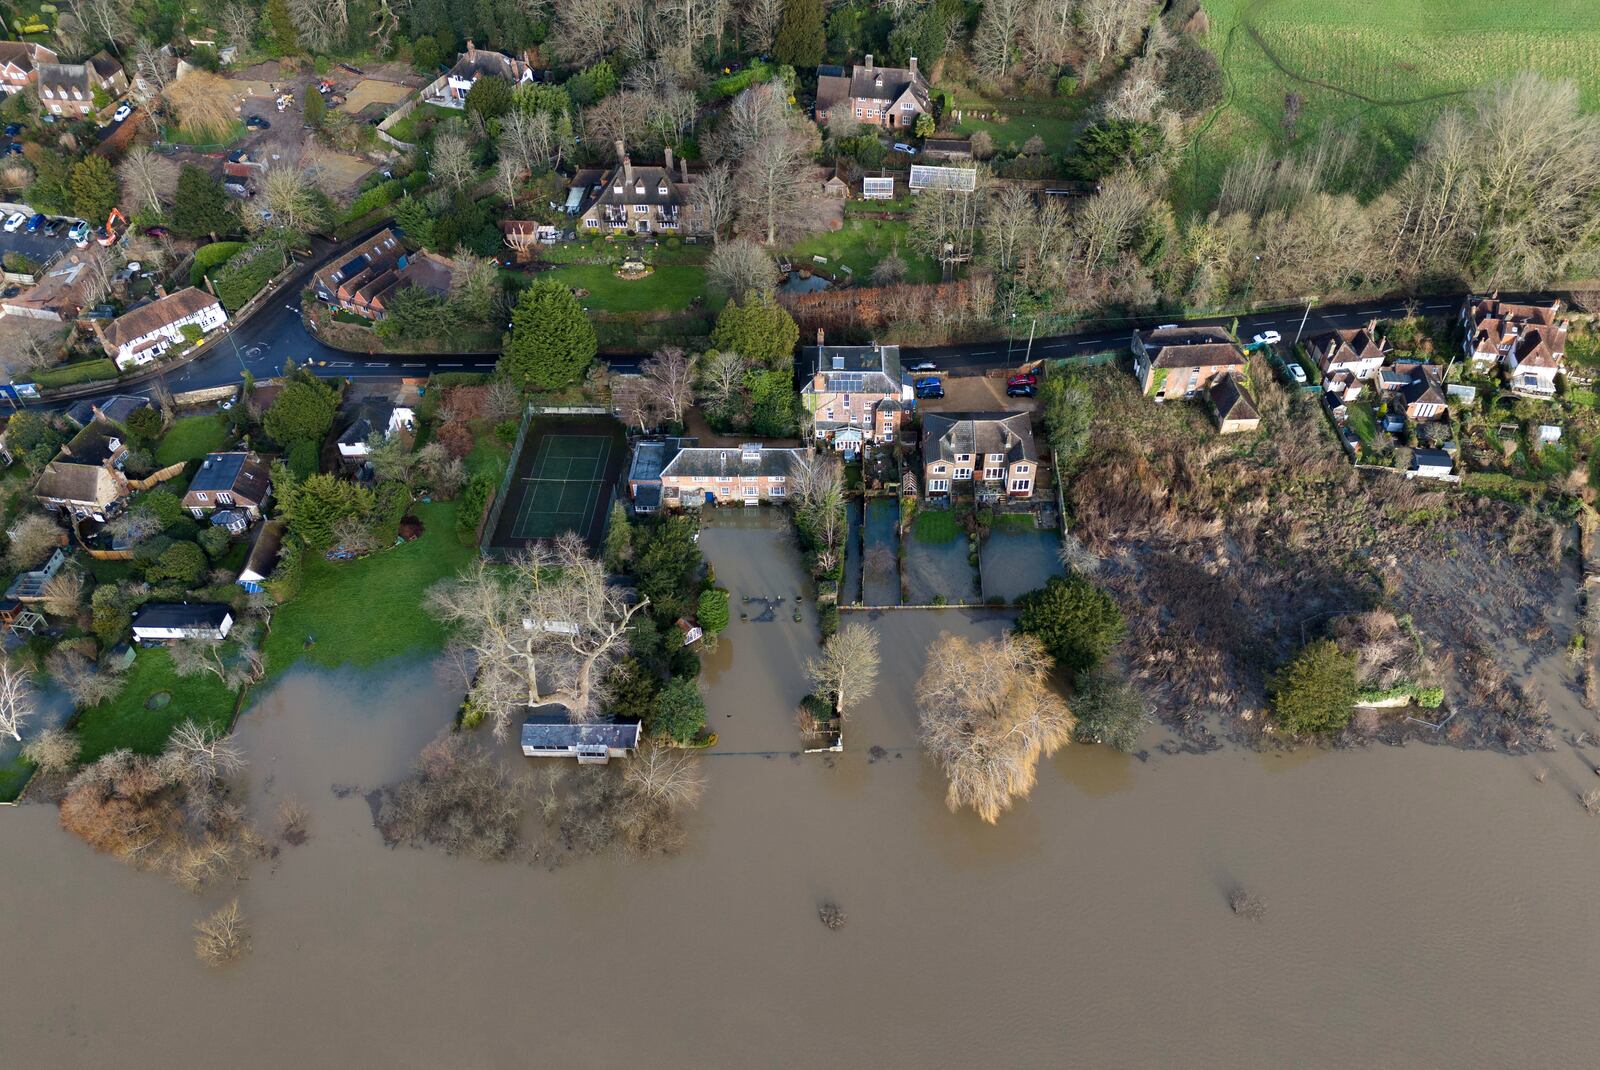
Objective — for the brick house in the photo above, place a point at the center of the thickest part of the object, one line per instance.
(637, 199)
(20, 62)
(450, 91)
(1528, 341)
(1417, 387)
(1182, 362)
(234, 481)
(1233, 406)
(889, 97)
(674, 473)
(362, 281)
(1348, 358)
(68, 88)
(138, 337)
(83, 491)
(857, 395)
(994, 451)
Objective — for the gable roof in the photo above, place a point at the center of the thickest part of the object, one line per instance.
(105, 66)
(180, 615)
(64, 76)
(873, 369)
(68, 481)
(238, 473)
(1232, 400)
(650, 456)
(1417, 383)
(1349, 345)
(1190, 347)
(24, 55)
(1532, 332)
(978, 434)
(96, 443)
(870, 82)
(371, 417)
(549, 727)
(132, 326)
(116, 408)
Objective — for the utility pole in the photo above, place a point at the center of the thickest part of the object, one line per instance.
(1303, 319)
(1028, 357)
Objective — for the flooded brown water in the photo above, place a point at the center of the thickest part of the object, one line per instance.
(1426, 907)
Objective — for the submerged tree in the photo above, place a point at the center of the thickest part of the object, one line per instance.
(848, 669)
(988, 715)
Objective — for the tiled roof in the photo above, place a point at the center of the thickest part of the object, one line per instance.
(709, 462)
(944, 435)
(77, 483)
(1232, 400)
(1190, 347)
(140, 322)
(873, 369)
(241, 474)
(870, 83)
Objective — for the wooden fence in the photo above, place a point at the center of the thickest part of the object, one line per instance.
(154, 478)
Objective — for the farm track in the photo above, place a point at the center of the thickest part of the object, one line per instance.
(1293, 75)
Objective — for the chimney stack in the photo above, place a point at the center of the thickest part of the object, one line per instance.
(869, 62)
(622, 150)
(819, 337)
(472, 49)
(683, 169)
(667, 153)
(913, 68)
(627, 168)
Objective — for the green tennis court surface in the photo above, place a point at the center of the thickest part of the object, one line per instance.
(565, 480)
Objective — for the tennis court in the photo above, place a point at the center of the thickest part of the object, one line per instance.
(562, 480)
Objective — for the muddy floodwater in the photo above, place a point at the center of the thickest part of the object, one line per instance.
(1426, 907)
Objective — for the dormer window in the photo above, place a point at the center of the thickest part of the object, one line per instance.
(617, 188)
(661, 190)
(638, 187)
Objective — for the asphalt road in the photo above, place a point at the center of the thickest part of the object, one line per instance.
(276, 334)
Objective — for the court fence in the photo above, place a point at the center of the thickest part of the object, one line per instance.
(493, 523)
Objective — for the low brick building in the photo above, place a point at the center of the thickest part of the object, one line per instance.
(1182, 362)
(676, 473)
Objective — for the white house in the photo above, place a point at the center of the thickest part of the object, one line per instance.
(145, 333)
(163, 622)
(374, 418)
(549, 732)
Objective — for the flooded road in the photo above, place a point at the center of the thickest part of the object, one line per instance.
(1425, 907)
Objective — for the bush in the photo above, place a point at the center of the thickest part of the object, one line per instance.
(1077, 621)
(680, 713)
(247, 272)
(1316, 692)
(828, 619)
(474, 500)
(380, 196)
(713, 610)
(209, 257)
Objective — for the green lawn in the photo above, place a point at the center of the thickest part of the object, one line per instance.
(420, 120)
(191, 438)
(860, 245)
(1383, 69)
(670, 288)
(1361, 421)
(14, 776)
(125, 721)
(366, 611)
(1057, 121)
(936, 527)
(82, 371)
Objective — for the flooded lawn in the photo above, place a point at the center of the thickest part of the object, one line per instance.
(939, 570)
(754, 681)
(1016, 562)
(851, 591)
(880, 565)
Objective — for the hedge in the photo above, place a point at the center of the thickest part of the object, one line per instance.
(211, 256)
(246, 273)
(84, 371)
(377, 197)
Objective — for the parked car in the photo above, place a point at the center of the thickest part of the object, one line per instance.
(929, 388)
(901, 146)
(256, 122)
(157, 232)
(925, 366)
(13, 129)
(35, 223)
(1297, 373)
(1020, 390)
(16, 220)
(1268, 338)
(53, 227)
(122, 112)
(79, 233)
(1025, 379)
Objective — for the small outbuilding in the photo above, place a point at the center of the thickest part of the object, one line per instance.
(1431, 464)
(163, 622)
(1235, 408)
(550, 732)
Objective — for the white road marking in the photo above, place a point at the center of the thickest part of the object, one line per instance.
(449, 365)
(340, 364)
(376, 364)
(411, 365)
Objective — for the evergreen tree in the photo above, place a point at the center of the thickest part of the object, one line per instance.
(490, 97)
(1075, 620)
(713, 615)
(201, 206)
(801, 38)
(551, 343)
(680, 712)
(1316, 692)
(93, 186)
(302, 412)
(281, 37)
(315, 507)
(760, 331)
(619, 539)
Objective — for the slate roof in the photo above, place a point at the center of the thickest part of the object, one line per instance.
(710, 462)
(241, 474)
(836, 85)
(1418, 384)
(1532, 330)
(372, 418)
(873, 369)
(140, 322)
(549, 727)
(1190, 347)
(1421, 458)
(946, 434)
(77, 483)
(180, 615)
(480, 61)
(95, 444)
(264, 550)
(650, 456)
(116, 408)
(1232, 400)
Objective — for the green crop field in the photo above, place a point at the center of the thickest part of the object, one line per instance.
(1381, 69)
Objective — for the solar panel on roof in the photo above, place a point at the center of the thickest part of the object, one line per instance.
(958, 179)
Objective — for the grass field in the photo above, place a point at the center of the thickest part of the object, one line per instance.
(1383, 69)
(125, 721)
(83, 371)
(860, 245)
(366, 611)
(670, 288)
(191, 438)
(1057, 121)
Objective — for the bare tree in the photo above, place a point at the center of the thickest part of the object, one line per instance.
(584, 29)
(63, 594)
(988, 715)
(669, 380)
(722, 377)
(200, 758)
(32, 539)
(322, 26)
(459, 798)
(291, 194)
(1111, 220)
(474, 285)
(760, 20)
(549, 624)
(848, 669)
(238, 22)
(148, 179)
(776, 191)
(134, 526)
(54, 751)
(221, 937)
(92, 22)
(741, 268)
(994, 43)
(16, 697)
(235, 662)
(203, 101)
(79, 677)
(503, 401)
(665, 774)
(450, 160)
(1108, 24)
(712, 199)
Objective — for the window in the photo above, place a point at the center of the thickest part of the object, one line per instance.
(591, 223)
(996, 458)
(994, 473)
(1022, 469)
(617, 188)
(776, 490)
(829, 414)
(640, 209)
(224, 498)
(199, 495)
(749, 492)
(937, 485)
(1019, 484)
(963, 473)
(661, 190)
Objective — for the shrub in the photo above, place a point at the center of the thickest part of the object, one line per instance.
(1077, 621)
(209, 257)
(680, 713)
(1316, 692)
(473, 502)
(247, 272)
(713, 610)
(828, 619)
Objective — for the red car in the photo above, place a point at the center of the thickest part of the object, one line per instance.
(156, 232)
(1025, 379)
